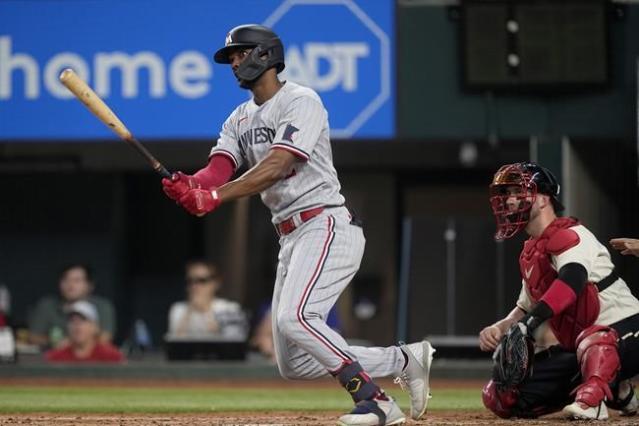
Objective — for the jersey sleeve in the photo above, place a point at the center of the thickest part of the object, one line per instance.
(300, 127)
(523, 301)
(584, 253)
(228, 143)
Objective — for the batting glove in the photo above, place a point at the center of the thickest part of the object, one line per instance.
(179, 184)
(199, 202)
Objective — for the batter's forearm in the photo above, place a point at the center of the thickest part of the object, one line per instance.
(254, 181)
(273, 168)
(216, 173)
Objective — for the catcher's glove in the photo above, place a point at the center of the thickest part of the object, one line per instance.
(513, 357)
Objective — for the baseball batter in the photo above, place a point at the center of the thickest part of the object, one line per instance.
(569, 284)
(282, 136)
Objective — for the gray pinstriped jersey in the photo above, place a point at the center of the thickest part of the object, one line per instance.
(295, 120)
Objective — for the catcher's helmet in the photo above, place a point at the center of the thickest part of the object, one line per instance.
(268, 51)
(521, 182)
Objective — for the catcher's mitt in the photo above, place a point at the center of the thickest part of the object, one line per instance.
(513, 357)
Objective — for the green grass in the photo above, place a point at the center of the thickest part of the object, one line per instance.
(25, 399)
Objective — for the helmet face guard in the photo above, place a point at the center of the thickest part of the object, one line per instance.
(512, 195)
(261, 58)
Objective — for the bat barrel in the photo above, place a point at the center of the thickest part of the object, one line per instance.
(96, 105)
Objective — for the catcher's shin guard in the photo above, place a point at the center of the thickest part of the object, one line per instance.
(599, 362)
(500, 402)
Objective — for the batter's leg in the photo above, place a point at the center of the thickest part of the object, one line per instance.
(314, 270)
(306, 347)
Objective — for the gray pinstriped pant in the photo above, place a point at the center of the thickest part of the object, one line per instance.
(316, 263)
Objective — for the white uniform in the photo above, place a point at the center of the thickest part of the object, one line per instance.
(616, 302)
(320, 257)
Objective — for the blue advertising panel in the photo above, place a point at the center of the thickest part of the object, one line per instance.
(151, 61)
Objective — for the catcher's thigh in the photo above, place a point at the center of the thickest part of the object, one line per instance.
(555, 374)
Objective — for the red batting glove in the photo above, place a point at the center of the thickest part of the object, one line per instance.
(200, 201)
(178, 185)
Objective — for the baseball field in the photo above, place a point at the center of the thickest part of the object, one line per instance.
(107, 402)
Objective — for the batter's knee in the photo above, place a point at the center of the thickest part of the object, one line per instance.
(287, 372)
(500, 402)
(305, 368)
(288, 324)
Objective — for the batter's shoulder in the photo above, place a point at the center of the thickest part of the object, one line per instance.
(297, 91)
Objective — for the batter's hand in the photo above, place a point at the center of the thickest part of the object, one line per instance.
(178, 185)
(626, 245)
(489, 338)
(200, 201)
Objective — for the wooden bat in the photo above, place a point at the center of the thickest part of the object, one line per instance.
(96, 105)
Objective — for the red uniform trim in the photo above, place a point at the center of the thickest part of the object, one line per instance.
(559, 296)
(226, 154)
(295, 151)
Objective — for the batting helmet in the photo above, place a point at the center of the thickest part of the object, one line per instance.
(522, 182)
(268, 51)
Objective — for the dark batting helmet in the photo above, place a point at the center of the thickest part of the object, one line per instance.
(520, 182)
(268, 51)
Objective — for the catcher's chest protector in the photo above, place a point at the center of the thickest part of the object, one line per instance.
(538, 274)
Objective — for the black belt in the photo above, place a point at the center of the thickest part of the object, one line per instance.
(607, 282)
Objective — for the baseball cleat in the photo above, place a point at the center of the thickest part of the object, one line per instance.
(372, 412)
(416, 376)
(580, 411)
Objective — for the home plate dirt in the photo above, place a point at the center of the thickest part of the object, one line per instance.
(270, 418)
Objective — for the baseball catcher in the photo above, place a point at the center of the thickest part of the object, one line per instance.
(571, 299)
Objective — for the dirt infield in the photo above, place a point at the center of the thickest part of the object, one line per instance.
(272, 418)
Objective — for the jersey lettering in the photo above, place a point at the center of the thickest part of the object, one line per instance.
(256, 136)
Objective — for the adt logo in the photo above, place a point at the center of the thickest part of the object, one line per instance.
(334, 47)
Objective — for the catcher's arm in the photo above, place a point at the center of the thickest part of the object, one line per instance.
(490, 336)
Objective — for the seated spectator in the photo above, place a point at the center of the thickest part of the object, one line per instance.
(84, 343)
(48, 322)
(203, 315)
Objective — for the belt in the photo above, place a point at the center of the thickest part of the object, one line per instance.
(287, 226)
(607, 282)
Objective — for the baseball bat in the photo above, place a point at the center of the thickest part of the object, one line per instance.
(96, 105)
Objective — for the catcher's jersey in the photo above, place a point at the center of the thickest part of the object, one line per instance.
(616, 302)
(294, 119)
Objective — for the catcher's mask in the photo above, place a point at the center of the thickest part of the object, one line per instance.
(513, 192)
(267, 52)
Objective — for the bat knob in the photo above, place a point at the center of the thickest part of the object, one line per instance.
(66, 74)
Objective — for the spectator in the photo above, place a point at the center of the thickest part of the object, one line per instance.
(48, 322)
(84, 343)
(203, 314)
(626, 246)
